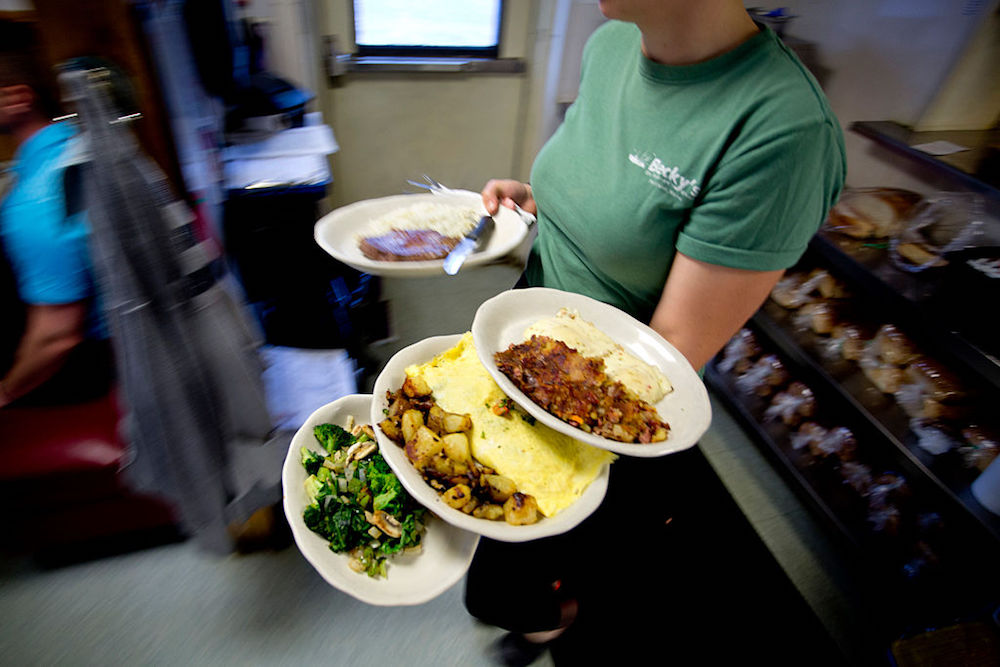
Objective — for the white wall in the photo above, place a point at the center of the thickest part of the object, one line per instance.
(889, 59)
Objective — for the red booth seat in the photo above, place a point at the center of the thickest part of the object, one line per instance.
(59, 483)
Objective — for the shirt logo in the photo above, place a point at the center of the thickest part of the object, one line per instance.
(665, 177)
(989, 267)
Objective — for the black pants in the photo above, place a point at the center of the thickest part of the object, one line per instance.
(667, 563)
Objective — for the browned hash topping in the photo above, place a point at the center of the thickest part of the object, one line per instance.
(576, 389)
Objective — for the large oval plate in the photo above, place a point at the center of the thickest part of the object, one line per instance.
(412, 579)
(503, 319)
(391, 379)
(337, 233)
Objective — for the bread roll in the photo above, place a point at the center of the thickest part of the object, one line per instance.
(764, 376)
(788, 292)
(853, 338)
(808, 435)
(856, 475)
(827, 286)
(866, 213)
(838, 442)
(980, 447)
(792, 405)
(740, 352)
(893, 347)
(819, 316)
(886, 377)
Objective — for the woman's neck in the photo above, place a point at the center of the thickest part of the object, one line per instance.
(685, 33)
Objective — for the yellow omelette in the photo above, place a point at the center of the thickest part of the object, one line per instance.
(548, 465)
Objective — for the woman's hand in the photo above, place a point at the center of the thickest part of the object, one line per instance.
(507, 192)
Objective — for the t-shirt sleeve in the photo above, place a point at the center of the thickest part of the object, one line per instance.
(766, 199)
(48, 251)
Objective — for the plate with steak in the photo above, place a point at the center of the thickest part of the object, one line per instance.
(592, 372)
(410, 235)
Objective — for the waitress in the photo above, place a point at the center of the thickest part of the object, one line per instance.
(697, 162)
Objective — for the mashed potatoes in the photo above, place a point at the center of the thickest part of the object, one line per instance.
(643, 380)
(548, 465)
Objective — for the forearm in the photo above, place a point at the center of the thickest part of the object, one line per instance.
(703, 305)
(35, 362)
(51, 333)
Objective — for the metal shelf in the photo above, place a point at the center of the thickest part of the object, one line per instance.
(977, 169)
(962, 328)
(880, 413)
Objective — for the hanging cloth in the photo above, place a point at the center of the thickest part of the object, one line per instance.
(190, 379)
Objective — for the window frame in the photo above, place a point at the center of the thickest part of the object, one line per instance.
(408, 51)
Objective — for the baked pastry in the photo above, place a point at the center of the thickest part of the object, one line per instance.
(792, 405)
(764, 377)
(827, 286)
(980, 446)
(740, 352)
(819, 316)
(852, 339)
(888, 490)
(867, 213)
(933, 436)
(886, 377)
(893, 346)
(790, 293)
(797, 289)
(838, 442)
(920, 255)
(856, 475)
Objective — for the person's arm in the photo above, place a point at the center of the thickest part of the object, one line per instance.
(703, 305)
(50, 334)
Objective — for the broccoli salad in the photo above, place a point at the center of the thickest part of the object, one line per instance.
(355, 501)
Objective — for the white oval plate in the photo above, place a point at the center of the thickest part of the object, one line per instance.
(412, 579)
(391, 379)
(337, 233)
(503, 319)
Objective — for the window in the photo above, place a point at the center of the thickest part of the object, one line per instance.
(427, 28)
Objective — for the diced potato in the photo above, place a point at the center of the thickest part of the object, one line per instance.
(501, 488)
(488, 511)
(520, 510)
(456, 423)
(410, 422)
(435, 418)
(457, 496)
(470, 506)
(456, 447)
(416, 387)
(423, 447)
(392, 430)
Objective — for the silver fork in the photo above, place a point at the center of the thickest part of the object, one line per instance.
(436, 188)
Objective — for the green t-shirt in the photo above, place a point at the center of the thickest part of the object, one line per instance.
(734, 161)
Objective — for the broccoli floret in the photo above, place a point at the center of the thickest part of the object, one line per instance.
(311, 461)
(314, 488)
(332, 437)
(313, 517)
(385, 488)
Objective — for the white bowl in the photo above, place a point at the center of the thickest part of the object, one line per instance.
(337, 233)
(412, 578)
(391, 379)
(503, 319)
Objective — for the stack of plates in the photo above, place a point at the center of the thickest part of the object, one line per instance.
(452, 536)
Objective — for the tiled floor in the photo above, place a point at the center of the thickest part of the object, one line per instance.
(802, 547)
